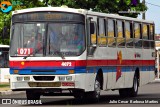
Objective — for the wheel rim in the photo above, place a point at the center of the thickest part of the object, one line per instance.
(97, 89)
(135, 84)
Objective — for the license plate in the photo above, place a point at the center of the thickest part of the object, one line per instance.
(44, 84)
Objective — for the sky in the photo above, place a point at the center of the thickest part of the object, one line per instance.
(153, 13)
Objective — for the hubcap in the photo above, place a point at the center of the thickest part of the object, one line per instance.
(135, 85)
(97, 88)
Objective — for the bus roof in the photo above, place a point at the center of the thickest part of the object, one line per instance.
(80, 11)
(118, 17)
(61, 9)
(4, 46)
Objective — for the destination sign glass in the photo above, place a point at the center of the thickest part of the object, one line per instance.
(48, 16)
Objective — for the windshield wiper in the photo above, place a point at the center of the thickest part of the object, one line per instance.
(59, 54)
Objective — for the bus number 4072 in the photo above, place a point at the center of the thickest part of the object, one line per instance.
(66, 64)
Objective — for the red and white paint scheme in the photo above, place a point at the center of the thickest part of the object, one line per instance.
(60, 48)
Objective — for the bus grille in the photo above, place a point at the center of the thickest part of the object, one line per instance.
(44, 78)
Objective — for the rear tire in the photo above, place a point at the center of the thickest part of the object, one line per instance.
(134, 90)
(130, 92)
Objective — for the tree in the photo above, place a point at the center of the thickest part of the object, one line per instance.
(106, 6)
(5, 18)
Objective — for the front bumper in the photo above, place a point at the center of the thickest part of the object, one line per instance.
(25, 82)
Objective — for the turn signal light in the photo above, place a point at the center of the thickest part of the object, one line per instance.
(16, 71)
(71, 71)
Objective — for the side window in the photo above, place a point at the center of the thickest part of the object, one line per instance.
(145, 32)
(102, 40)
(111, 32)
(93, 32)
(129, 34)
(145, 35)
(120, 33)
(137, 35)
(151, 30)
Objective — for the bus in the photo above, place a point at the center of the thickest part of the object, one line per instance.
(4, 63)
(55, 50)
(157, 54)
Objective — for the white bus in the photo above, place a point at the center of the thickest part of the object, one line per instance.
(4, 63)
(58, 48)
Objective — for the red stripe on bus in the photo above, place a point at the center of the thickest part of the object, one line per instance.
(80, 63)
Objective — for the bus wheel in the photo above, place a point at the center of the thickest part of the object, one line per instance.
(32, 95)
(134, 90)
(130, 92)
(95, 95)
(78, 94)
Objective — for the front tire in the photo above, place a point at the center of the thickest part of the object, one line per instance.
(32, 95)
(95, 95)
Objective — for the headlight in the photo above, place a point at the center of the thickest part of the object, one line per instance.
(26, 78)
(68, 78)
(19, 78)
(62, 78)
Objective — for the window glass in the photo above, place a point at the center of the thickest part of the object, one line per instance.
(27, 39)
(111, 32)
(151, 29)
(137, 35)
(151, 32)
(128, 34)
(146, 42)
(93, 32)
(137, 30)
(102, 40)
(120, 35)
(145, 31)
(65, 39)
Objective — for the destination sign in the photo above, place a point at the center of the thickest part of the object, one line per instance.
(48, 16)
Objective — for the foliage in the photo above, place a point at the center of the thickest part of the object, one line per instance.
(5, 18)
(4, 85)
(106, 6)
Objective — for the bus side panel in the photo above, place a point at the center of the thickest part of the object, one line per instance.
(89, 81)
(152, 63)
(146, 70)
(129, 74)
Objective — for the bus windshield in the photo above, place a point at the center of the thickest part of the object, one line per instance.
(66, 38)
(45, 38)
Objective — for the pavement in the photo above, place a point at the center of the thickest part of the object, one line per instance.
(156, 80)
(8, 91)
